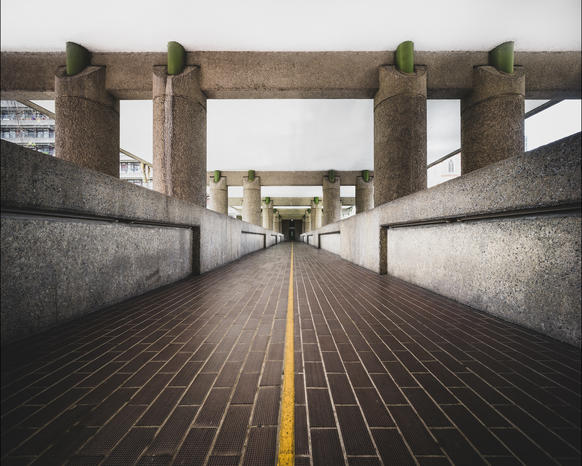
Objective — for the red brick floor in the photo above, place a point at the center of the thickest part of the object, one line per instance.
(386, 373)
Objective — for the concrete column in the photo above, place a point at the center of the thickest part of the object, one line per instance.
(87, 120)
(251, 202)
(277, 222)
(267, 215)
(332, 205)
(364, 194)
(315, 215)
(492, 118)
(180, 135)
(218, 195)
(399, 134)
(307, 222)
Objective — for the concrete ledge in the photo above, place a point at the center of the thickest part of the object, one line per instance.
(542, 186)
(75, 240)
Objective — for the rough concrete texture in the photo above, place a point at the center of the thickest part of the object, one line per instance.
(180, 135)
(35, 184)
(525, 270)
(330, 242)
(251, 242)
(546, 178)
(332, 206)
(316, 215)
(267, 214)
(492, 118)
(364, 194)
(56, 269)
(399, 134)
(277, 222)
(303, 75)
(87, 120)
(307, 222)
(251, 206)
(218, 195)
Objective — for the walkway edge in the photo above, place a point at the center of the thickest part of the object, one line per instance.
(287, 425)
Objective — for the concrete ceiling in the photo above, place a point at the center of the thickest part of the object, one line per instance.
(300, 25)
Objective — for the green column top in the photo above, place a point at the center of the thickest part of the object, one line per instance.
(216, 176)
(331, 176)
(176, 58)
(502, 57)
(404, 57)
(366, 175)
(78, 58)
(251, 175)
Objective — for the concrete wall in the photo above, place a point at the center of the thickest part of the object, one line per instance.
(504, 239)
(74, 241)
(330, 242)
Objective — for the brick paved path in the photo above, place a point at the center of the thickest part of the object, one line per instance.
(385, 372)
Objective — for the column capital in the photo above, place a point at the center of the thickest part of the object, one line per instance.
(393, 82)
(331, 185)
(185, 85)
(255, 184)
(88, 84)
(489, 82)
(220, 184)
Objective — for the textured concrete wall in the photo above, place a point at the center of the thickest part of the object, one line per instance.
(542, 180)
(101, 251)
(330, 242)
(56, 269)
(525, 270)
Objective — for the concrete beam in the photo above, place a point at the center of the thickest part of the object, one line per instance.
(291, 201)
(292, 75)
(290, 178)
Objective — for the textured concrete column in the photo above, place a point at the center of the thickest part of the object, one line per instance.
(180, 135)
(332, 205)
(218, 195)
(315, 215)
(277, 222)
(307, 222)
(364, 194)
(399, 134)
(87, 120)
(251, 202)
(267, 215)
(492, 118)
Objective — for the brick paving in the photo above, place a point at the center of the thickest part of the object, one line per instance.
(386, 373)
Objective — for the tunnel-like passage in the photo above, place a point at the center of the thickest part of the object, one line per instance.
(385, 373)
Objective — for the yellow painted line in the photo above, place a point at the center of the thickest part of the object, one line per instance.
(287, 427)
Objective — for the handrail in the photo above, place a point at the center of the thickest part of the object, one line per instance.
(535, 111)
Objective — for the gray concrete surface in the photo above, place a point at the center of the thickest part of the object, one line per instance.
(251, 206)
(298, 75)
(307, 222)
(267, 215)
(218, 195)
(332, 207)
(179, 135)
(364, 194)
(492, 118)
(36, 189)
(316, 215)
(330, 242)
(87, 120)
(399, 134)
(545, 181)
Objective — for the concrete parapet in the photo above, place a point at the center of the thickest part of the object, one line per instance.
(218, 195)
(87, 120)
(492, 118)
(399, 134)
(504, 239)
(179, 135)
(75, 240)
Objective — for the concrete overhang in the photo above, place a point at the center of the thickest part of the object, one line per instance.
(293, 75)
(304, 202)
(290, 178)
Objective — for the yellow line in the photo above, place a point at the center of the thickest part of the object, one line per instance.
(287, 427)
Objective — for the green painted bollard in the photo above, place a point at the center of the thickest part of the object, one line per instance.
(331, 176)
(404, 57)
(308, 211)
(502, 57)
(267, 200)
(78, 58)
(251, 175)
(366, 175)
(216, 176)
(176, 58)
(316, 200)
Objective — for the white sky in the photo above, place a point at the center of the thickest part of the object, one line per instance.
(294, 25)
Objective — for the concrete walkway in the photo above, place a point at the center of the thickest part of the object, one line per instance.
(385, 373)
